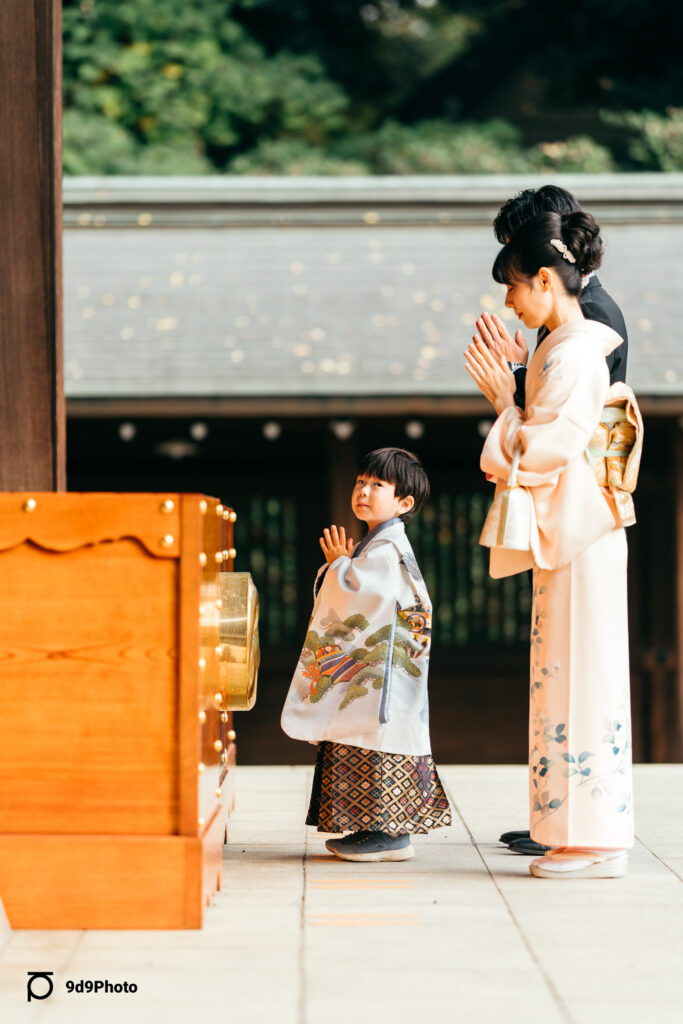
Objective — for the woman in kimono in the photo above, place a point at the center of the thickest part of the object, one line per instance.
(360, 687)
(579, 729)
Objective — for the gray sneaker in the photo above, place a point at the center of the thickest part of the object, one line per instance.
(371, 846)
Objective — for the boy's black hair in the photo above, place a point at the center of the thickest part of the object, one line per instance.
(401, 468)
(528, 204)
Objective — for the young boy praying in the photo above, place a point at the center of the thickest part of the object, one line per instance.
(360, 687)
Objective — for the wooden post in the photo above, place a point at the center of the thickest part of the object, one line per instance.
(32, 417)
(676, 752)
(342, 461)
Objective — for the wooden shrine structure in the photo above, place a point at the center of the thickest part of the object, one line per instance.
(116, 679)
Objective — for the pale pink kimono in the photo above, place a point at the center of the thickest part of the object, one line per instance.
(579, 723)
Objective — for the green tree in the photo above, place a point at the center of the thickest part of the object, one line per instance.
(381, 86)
(657, 139)
(182, 87)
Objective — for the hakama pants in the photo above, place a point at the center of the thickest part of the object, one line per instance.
(359, 789)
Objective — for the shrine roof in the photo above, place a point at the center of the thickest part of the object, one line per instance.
(330, 287)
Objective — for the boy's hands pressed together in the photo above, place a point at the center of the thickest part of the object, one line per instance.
(334, 544)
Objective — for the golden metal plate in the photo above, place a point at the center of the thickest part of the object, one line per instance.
(239, 614)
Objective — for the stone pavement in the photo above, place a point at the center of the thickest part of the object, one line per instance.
(461, 933)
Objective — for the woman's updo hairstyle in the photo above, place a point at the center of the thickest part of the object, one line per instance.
(570, 243)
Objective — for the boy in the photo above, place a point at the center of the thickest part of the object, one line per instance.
(360, 686)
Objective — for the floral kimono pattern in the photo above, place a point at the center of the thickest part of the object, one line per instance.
(579, 723)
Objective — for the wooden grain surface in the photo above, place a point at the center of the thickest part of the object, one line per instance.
(115, 754)
(63, 522)
(213, 840)
(32, 410)
(676, 719)
(102, 881)
(188, 680)
(88, 730)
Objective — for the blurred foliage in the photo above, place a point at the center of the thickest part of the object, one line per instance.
(296, 157)
(579, 154)
(440, 147)
(487, 147)
(160, 77)
(657, 143)
(386, 87)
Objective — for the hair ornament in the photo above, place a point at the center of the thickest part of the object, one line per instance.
(564, 249)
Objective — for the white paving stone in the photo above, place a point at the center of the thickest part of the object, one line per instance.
(462, 932)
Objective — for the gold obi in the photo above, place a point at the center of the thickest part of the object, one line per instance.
(615, 449)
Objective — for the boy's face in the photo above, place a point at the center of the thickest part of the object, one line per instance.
(374, 501)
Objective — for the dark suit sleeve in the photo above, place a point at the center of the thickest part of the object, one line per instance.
(520, 372)
(616, 365)
(520, 391)
(612, 317)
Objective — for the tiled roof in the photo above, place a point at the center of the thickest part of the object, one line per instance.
(351, 301)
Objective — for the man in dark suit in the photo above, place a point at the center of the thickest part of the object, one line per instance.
(596, 304)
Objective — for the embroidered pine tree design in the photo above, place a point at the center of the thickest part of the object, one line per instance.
(327, 664)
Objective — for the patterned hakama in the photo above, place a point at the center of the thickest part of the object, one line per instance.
(355, 788)
(580, 724)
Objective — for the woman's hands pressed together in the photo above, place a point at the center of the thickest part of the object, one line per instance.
(334, 544)
(493, 332)
(491, 374)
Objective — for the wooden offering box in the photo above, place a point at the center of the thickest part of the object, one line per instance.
(116, 751)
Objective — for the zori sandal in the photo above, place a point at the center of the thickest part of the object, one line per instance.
(580, 863)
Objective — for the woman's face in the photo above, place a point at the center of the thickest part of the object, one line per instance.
(532, 298)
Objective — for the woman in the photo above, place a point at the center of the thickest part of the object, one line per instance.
(579, 729)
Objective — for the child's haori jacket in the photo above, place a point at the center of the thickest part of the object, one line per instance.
(361, 678)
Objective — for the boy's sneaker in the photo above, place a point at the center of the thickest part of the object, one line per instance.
(371, 846)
